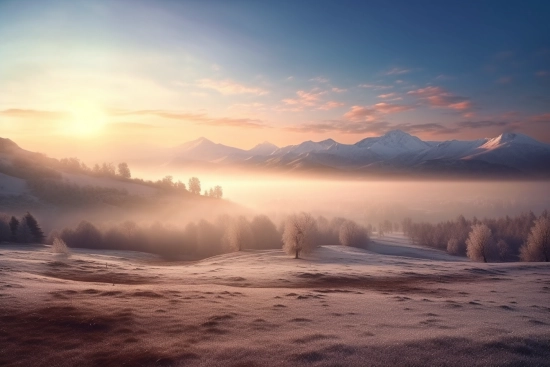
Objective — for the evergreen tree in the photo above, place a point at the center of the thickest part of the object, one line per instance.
(36, 231)
(14, 224)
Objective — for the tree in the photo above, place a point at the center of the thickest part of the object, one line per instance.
(478, 244)
(36, 231)
(14, 224)
(455, 247)
(352, 234)
(239, 234)
(503, 250)
(60, 247)
(194, 186)
(217, 192)
(24, 234)
(537, 247)
(124, 170)
(5, 231)
(299, 234)
(265, 233)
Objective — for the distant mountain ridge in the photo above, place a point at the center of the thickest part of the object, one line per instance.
(396, 152)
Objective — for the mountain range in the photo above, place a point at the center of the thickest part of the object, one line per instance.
(395, 153)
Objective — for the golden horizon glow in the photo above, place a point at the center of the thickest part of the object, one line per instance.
(85, 119)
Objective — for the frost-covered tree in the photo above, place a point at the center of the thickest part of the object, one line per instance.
(478, 244)
(299, 234)
(124, 170)
(352, 234)
(503, 250)
(239, 234)
(60, 247)
(194, 186)
(454, 247)
(537, 247)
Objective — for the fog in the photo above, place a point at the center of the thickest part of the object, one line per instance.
(371, 201)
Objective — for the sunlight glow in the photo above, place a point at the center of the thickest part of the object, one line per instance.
(85, 119)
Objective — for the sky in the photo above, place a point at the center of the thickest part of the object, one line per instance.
(85, 78)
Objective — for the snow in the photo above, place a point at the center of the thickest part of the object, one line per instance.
(393, 304)
(11, 185)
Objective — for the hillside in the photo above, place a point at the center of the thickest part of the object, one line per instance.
(336, 306)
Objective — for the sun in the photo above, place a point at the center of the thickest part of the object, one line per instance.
(85, 119)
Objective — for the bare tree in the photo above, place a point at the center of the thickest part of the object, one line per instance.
(352, 234)
(537, 247)
(299, 234)
(479, 242)
(239, 234)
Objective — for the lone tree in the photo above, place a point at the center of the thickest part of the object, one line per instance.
(194, 186)
(299, 234)
(352, 234)
(537, 247)
(239, 234)
(479, 242)
(36, 232)
(124, 170)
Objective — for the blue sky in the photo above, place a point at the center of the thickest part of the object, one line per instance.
(240, 72)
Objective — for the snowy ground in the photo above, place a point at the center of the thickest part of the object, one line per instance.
(393, 305)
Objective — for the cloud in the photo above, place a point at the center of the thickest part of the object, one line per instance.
(229, 87)
(371, 113)
(319, 79)
(542, 73)
(330, 105)
(388, 95)
(360, 113)
(439, 97)
(202, 119)
(338, 90)
(397, 71)
(375, 86)
(545, 117)
(33, 114)
(370, 127)
(305, 99)
(341, 126)
(482, 124)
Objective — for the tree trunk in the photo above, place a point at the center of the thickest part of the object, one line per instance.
(297, 253)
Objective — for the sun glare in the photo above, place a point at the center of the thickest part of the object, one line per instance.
(85, 119)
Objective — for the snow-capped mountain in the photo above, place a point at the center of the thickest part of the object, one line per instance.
(393, 143)
(396, 151)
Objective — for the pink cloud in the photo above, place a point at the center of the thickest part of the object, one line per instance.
(371, 113)
(330, 105)
(389, 95)
(439, 97)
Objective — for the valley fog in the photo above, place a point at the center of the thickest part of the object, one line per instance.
(370, 201)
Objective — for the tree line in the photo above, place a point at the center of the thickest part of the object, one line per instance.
(525, 237)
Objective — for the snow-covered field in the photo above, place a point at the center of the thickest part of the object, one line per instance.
(395, 304)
